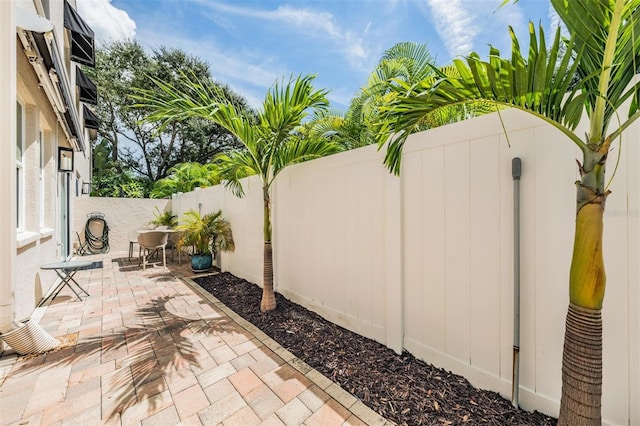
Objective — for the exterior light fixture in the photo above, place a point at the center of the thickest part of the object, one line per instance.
(65, 159)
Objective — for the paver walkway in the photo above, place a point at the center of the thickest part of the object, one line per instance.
(152, 348)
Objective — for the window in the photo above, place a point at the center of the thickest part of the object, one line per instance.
(41, 181)
(20, 166)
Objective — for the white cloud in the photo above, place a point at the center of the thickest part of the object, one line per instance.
(310, 22)
(107, 21)
(554, 22)
(470, 25)
(245, 74)
(302, 18)
(554, 18)
(455, 25)
(340, 97)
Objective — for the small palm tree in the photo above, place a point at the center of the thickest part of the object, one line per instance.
(166, 218)
(604, 51)
(270, 139)
(210, 233)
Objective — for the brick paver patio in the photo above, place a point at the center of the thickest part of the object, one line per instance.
(152, 348)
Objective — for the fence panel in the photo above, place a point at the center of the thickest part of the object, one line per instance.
(425, 261)
(330, 238)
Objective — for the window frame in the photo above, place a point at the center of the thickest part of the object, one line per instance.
(20, 136)
(41, 180)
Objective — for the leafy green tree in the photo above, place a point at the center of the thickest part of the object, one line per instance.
(131, 189)
(270, 141)
(146, 150)
(604, 47)
(186, 177)
(108, 180)
(104, 170)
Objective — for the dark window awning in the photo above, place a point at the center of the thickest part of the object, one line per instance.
(82, 38)
(91, 120)
(43, 49)
(88, 89)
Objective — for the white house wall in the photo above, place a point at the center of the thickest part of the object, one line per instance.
(427, 257)
(22, 282)
(7, 160)
(37, 244)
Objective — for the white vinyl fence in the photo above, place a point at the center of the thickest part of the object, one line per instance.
(424, 262)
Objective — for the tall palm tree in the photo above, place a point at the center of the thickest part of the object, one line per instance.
(405, 62)
(604, 51)
(270, 139)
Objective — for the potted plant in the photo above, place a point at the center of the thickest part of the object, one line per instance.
(164, 219)
(208, 235)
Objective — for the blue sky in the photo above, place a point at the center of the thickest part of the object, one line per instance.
(249, 44)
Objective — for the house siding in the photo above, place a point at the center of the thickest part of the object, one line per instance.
(39, 240)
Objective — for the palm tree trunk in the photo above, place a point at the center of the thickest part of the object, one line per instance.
(580, 404)
(582, 357)
(268, 302)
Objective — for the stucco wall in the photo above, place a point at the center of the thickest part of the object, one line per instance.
(123, 215)
(37, 243)
(7, 162)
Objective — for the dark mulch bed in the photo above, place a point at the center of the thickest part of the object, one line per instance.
(399, 387)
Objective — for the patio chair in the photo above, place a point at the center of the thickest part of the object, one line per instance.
(150, 242)
(133, 240)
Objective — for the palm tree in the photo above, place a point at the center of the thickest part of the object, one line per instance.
(270, 139)
(206, 233)
(604, 51)
(408, 61)
(405, 62)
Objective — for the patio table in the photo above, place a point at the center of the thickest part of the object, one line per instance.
(66, 271)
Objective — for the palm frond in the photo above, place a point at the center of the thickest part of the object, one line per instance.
(236, 165)
(607, 33)
(298, 150)
(286, 105)
(530, 84)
